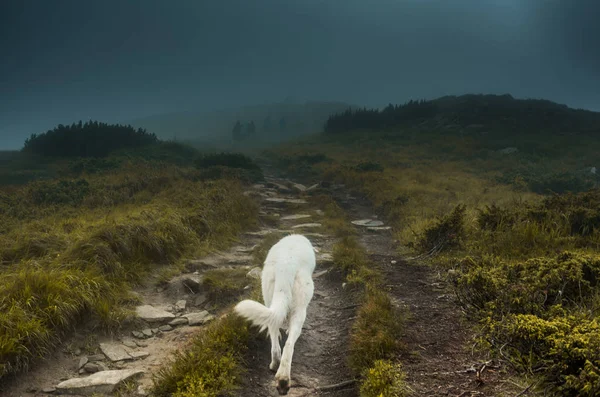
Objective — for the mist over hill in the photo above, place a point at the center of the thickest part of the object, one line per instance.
(274, 122)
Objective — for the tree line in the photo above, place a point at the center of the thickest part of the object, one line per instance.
(374, 119)
(242, 131)
(89, 139)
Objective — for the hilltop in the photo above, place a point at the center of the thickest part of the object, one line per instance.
(483, 114)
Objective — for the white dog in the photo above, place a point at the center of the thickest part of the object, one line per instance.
(287, 288)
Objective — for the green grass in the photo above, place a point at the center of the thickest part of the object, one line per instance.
(378, 327)
(71, 249)
(521, 259)
(210, 365)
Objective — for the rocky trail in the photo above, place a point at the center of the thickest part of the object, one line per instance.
(438, 357)
(437, 360)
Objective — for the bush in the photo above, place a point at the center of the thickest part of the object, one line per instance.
(385, 378)
(228, 165)
(447, 232)
(66, 192)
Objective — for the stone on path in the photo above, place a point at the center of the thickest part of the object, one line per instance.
(193, 282)
(294, 217)
(306, 225)
(114, 351)
(165, 328)
(139, 355)
(96, 357)
(179, 321)
(325, 258)
(298, 187)
(378, 228)
(129, 343)
(92, 368)
(103, 382)
(319, 274)
(180, 305)
(82, 361)
(199, 318)
(255, 273)
(153, 315)
(147, 332)
(368, 223)
(282, 200)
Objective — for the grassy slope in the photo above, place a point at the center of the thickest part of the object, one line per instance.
(513, 277)
(75, 245)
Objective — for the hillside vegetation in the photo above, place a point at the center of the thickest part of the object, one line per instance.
(499, 193)
(78, 237)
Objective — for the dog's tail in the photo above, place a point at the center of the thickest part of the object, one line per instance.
(263, 316)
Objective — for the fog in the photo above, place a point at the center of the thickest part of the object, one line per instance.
(114, 61)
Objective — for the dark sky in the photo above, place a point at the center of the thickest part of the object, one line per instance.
(115, 60)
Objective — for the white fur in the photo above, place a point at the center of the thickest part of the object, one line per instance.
(287, 288)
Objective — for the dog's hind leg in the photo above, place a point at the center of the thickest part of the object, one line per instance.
(282, 377)
(275, 348)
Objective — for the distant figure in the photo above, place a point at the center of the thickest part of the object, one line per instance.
(237, 131)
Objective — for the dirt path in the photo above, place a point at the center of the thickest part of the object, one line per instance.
(319, 356)
(438, 357)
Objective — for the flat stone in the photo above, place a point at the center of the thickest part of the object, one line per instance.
(165, 328)
(312, 187)
(320, 212)
(139, 355)
(129, 343)
(141, 343)
(255, 273)
(103, 382)
(379, 228)
(82, 361)
(193, 282)
(245, 250)
(179, 321)
(367, 223)
(201, 264)
(154, 330)
(114, 351)
(96, 357)
(138, 334)
(48, 390)
(325, 258)
(281, 200)
(298, 187)
(199, 318)
(180, 305)
(92, 368)
(306, 225)
(294, 217)
(153, 315)
(321, 273)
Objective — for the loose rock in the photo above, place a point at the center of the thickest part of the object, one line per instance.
(193, 282)
(114, 351)
(91, 368)
(368, 223)
(103, 382)
(180, 305)
(294, 217)
(255, 273)
(306, 225)
(199, 318)
(153, 315)
(165, 328)
(179, 321)
(138, 334)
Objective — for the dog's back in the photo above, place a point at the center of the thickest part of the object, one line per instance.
(286, 277)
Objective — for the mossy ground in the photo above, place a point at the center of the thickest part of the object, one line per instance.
(522, 259)
(73, 248)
